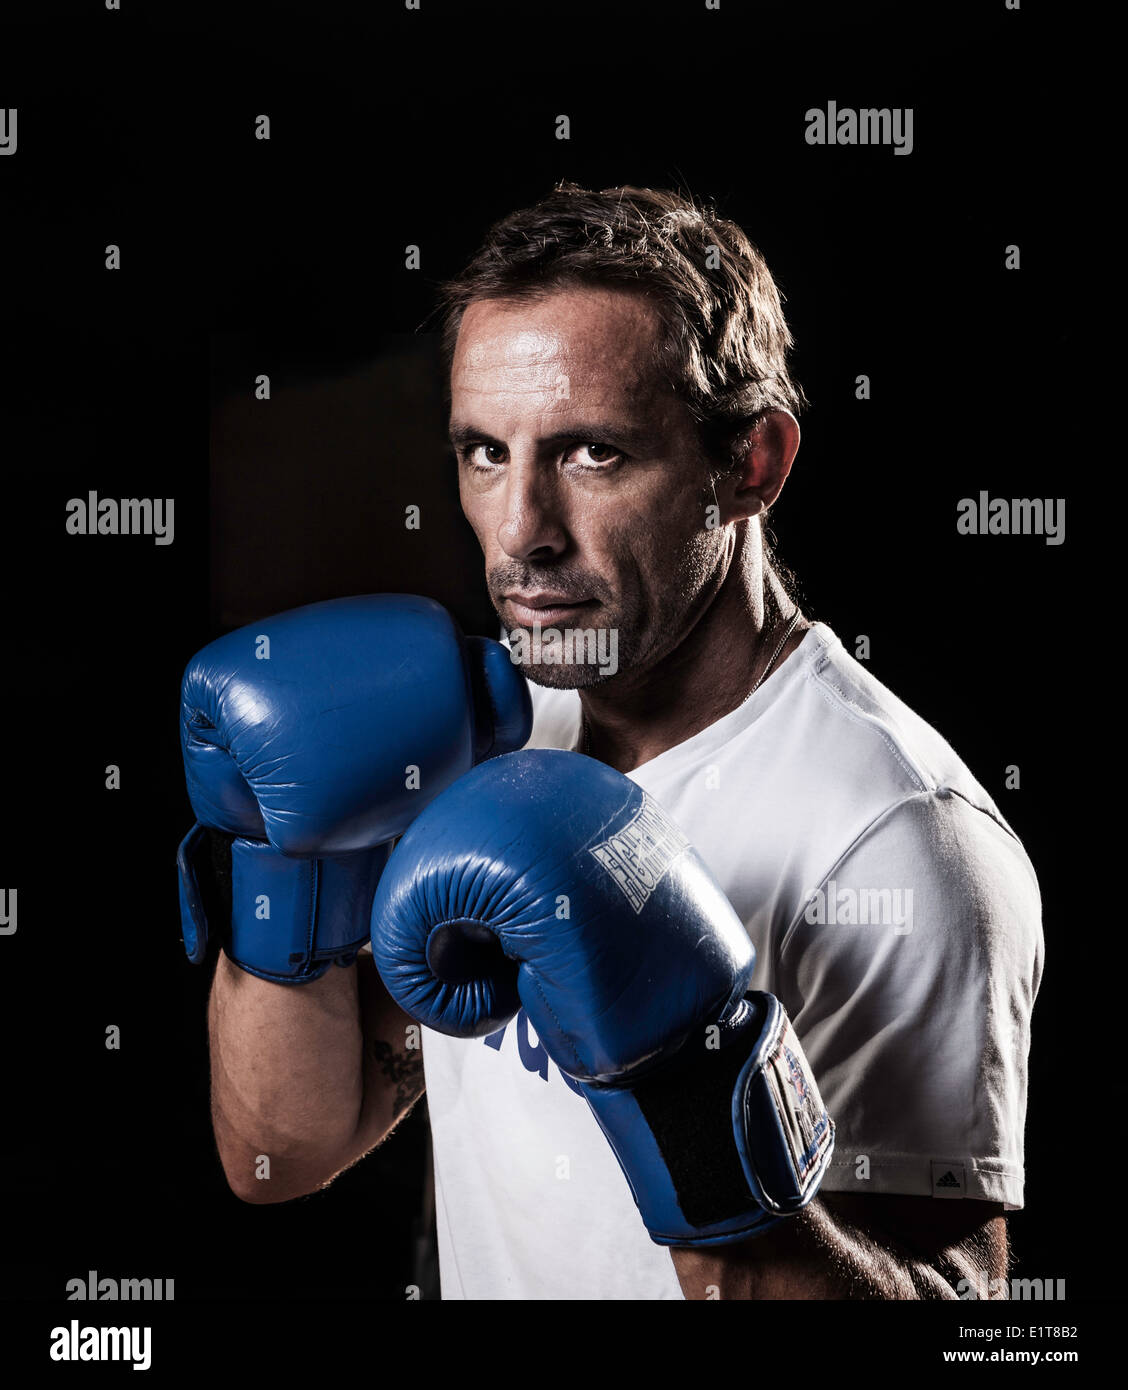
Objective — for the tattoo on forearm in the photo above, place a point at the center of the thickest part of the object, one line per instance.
(403, 1069)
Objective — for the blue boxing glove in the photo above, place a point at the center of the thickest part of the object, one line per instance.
(549, 880)
(310, 740)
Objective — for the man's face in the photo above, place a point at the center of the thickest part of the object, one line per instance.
(581, 474)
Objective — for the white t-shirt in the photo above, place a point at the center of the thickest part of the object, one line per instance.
(895, 914)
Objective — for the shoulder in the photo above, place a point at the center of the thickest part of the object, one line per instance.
(935, 901)
(901, 832)
(954, 861)
(863, 735)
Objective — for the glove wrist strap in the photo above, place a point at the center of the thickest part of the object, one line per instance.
(725, 1140)
(282, 919)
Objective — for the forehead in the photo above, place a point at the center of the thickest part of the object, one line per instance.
(601, 339)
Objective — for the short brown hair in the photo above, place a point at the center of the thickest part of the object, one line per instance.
(725, 343)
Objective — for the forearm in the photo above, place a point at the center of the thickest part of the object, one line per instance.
(806, 1256)
(287, 1079)
(824, 1254)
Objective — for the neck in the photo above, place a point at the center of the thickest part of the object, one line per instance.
(710, 672)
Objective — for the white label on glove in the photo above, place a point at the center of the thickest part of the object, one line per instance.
(637, 856)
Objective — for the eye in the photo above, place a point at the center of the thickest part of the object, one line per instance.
(483, 455)
(597, 453)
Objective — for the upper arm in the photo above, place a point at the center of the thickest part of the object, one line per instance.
(916, 1021)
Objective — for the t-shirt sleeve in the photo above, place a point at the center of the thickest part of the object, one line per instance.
(910, 974)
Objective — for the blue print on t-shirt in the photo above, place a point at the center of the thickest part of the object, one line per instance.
(533, 1057)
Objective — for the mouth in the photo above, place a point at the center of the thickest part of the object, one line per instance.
(547, 609)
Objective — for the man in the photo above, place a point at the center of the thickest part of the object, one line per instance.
(624, 418)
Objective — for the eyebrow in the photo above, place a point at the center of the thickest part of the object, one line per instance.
(630, 436)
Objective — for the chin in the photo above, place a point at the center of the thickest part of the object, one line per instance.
(568, 658)
(562, 677)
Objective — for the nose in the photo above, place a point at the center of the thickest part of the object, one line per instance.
(532, 524)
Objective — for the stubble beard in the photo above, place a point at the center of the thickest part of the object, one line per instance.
(639, 639)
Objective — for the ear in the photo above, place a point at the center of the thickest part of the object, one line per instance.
(771, 445)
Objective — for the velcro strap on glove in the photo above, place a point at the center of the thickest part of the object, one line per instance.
(727, 1139)
(280, 918)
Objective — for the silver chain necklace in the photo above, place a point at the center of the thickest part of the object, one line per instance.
(766, 672)
(585, 733)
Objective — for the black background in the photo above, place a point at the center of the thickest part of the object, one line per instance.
(240, 257)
